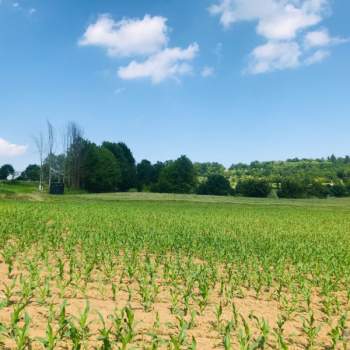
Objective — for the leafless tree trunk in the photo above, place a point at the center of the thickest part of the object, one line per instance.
(50, 147)
(39, 143)
(74, 145)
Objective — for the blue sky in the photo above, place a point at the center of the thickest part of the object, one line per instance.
(217, 80)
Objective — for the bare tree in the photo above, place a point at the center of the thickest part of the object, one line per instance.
(74, 148)
(40, 146)
(50, 148)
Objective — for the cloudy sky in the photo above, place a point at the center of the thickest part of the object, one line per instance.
(223, 80)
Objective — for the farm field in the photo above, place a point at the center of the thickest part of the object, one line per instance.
(147, 271)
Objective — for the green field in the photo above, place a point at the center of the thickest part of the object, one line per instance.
(148, 271)
(9, 188)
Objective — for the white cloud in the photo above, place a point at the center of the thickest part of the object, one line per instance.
(11, 150)
(274, 56)
(286, 22)
(317, 57)
(169, 63)
(321, 38)
(127, 37)
(232, 11)
(277, 19)
(207, 72)
(147, 37)
(282, 24)
(317, 38)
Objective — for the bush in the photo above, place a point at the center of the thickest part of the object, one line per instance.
(254, 188)
(317, 189)
(338, 190)
(292, 188)
(216, 185)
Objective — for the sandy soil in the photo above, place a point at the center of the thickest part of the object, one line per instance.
(207, 331)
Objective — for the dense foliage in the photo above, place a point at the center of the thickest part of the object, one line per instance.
(90, 167)
(6, 170)
(253, 187)
(215, 184)
(101, 171)
(176, 177)
(126, 163)
(31, 173)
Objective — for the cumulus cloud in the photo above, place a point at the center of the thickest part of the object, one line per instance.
(274, 56)
(148, 38)
(321, 38)
(276, 18)
(8, 149)
(286, 22)
(168, 63)
(128, 37)
(282, 23)
(317, 57)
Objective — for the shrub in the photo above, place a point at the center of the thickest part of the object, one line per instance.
(215, 185)
(292, 188)
(317, 189)
(338, 190)
(254, 187)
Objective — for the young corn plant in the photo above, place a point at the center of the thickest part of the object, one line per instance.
(279, 334)
(104, 334)
(8, 254)
(21, 334)
(337, 333)
(227, 336)
(79, 329)
(217, 324)
(51, 338)
(44, 292)
(9, 291)
(244, 336)
(123, 330)
(178, 340)
(264, 328)
(311, 331)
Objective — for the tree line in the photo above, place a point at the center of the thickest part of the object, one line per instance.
(110, 167)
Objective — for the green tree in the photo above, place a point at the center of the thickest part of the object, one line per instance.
(101, 171)
(215, 185)
(6, 170)
(74, 155)
(292, 188)
(126, 162)
(207, 169)
(157, 169)
(31, 173)
(177, 176)
(145, 174)
(317, 189)
(254, 187)
(338, 190)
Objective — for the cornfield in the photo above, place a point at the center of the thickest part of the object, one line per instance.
(94, 272)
